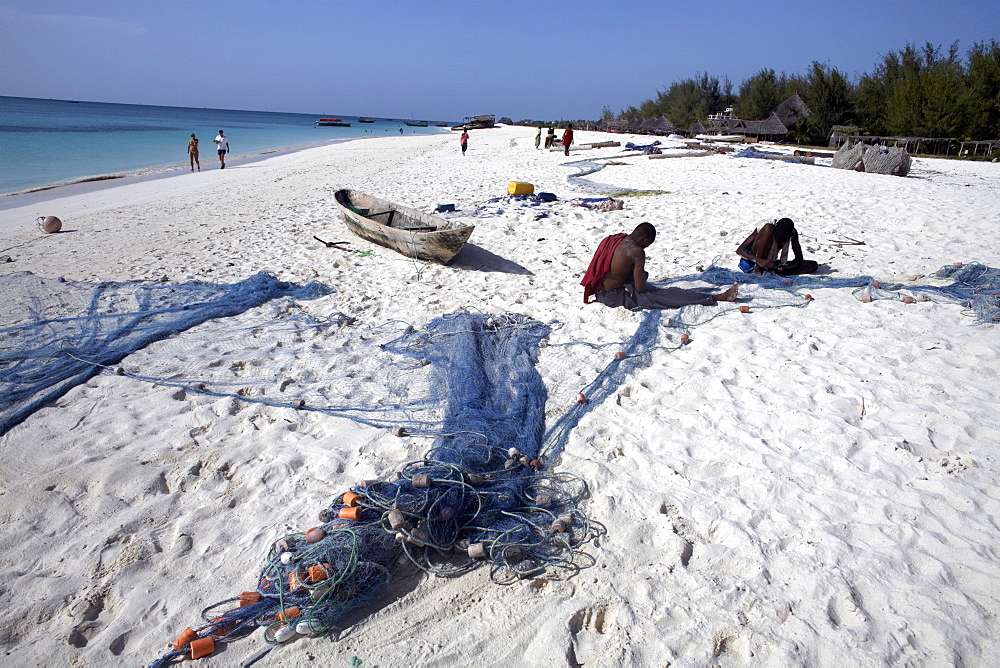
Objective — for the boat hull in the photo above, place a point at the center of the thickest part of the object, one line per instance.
(411, 233)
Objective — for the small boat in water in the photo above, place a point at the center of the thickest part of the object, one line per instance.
(416, 124)
(402, 229)
(365, 119)
(333, 121)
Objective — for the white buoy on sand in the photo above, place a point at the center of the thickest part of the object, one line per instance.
(49, 224)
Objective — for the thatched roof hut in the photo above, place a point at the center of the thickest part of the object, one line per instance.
(769, 129)
(792, 110)
(664, 126)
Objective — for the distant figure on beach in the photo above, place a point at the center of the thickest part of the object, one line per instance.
(617, 276)
(193, 152)
(766, 249)
(464, 141)
(567, 138)
(550, 137)
(223, 145)
(538, 137)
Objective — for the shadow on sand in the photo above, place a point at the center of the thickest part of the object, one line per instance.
(474, 258)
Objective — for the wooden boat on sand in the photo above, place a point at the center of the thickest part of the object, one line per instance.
(407, 231)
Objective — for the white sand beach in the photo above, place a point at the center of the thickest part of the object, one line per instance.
(797, 486)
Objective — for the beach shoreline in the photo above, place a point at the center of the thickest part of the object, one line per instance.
(810, 483)
(91, 183)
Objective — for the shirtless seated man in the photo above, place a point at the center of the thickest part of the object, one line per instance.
(617, 276)
(766, 249)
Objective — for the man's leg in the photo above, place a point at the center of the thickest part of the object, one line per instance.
(616, 298)
(672, 298)
(804, 267)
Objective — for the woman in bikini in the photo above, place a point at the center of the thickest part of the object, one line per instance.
(193, 152)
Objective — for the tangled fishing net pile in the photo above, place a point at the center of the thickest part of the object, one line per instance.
(483, 495)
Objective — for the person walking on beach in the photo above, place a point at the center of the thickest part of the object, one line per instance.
(567, 138)
(766, 249)
(193, 152)
(617, 276)
(464, 141)
(538, 137)
(223, 145)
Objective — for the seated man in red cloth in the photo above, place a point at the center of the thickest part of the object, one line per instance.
(617, 276)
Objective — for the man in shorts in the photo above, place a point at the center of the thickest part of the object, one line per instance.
(766, 249)
(223, 145)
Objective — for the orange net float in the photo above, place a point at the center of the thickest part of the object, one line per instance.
(620, 355)
(809, 298)
(581, 398)
(291, 613)
(350, 499)
(867, 299)
(202, 647)
(318, 573)
(249, 598)
(350, 513)
(685, 339)
(744, 308)
(184, 638)
(907, 299)
(223, 626)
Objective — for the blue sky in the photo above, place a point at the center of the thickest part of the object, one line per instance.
(444, 60)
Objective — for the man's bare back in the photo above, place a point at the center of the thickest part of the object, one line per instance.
(628, 264)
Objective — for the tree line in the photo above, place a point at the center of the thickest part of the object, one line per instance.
(914, 92)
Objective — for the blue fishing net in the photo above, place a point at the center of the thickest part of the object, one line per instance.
(58, 334)
(478, 497)
(974, 286)
(483, 495)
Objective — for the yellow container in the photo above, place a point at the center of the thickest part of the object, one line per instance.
(518, 188)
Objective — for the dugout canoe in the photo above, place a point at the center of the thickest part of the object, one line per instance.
(407, 231)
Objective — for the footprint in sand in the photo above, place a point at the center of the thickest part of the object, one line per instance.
(586, 631)
(87, 628)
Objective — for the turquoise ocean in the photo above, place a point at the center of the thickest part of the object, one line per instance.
(45, 143)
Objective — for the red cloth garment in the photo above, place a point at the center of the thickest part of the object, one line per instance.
(567, 137)
(599, 265)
